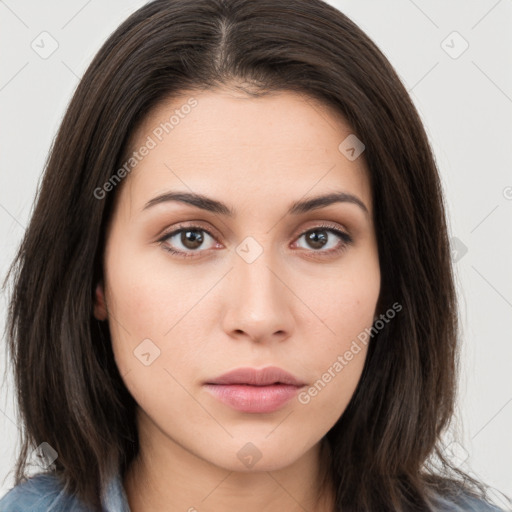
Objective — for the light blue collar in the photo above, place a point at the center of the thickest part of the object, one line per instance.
(114, 498)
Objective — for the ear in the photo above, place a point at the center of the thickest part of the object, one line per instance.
(100, 305)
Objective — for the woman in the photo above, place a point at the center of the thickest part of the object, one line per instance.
(236, 286)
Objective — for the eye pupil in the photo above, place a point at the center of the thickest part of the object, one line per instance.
(191, 236)
(317, 241)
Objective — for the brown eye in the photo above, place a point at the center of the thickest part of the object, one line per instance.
(191, 238)
(185, 241)
(317, 238)
(326, 239)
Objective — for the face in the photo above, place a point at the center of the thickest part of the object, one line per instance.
(253, 282)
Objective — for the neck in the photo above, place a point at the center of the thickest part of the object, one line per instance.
(166, 477)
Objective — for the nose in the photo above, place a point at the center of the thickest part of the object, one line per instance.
(259, 302)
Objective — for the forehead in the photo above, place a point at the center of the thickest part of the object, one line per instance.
(276, 147)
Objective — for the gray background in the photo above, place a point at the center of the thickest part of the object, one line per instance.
(464, 98)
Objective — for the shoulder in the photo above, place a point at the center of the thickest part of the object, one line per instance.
(464, 502)
(42, 492)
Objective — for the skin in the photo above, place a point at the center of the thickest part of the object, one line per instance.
(208, 314)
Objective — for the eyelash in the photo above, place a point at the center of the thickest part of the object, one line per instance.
(346, 239)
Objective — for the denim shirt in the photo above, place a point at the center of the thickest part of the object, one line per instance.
(43, 493)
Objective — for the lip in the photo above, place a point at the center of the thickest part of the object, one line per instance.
(257, 377)
(255, 390)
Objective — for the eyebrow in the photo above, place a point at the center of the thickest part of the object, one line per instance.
(218, 207)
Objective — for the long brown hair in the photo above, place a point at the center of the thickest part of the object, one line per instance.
(385, 449)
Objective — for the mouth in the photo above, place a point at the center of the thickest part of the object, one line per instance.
(253, 398)
(254, 390)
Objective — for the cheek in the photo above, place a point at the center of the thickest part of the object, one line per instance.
(337, 358)
(138, 296)
(327, 397)
(151, 339)
(347, 306)
(347, 301)
(154, 317)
